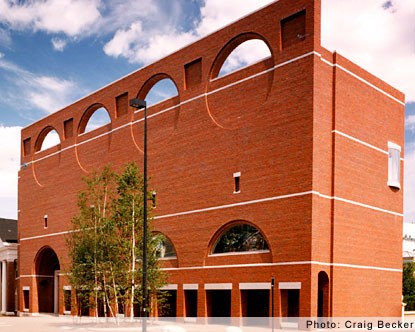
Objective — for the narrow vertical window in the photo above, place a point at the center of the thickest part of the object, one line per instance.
(67, 299)
(26, 147)
(121, 104)
(153, 199)
(68, 128)
(394, 165)
(237, 182)
(26, 294)
(45, 221)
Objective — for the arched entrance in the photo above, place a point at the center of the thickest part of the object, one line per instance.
(47, 265)
(323, 295)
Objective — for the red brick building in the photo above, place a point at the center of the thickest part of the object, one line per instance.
(302, 149)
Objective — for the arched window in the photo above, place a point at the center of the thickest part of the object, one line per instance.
(244, 55)
(99, 118)
(51, 139)
(162, 90)
(163, 247)
(239, 238)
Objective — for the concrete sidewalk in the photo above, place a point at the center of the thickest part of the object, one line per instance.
(50, 323)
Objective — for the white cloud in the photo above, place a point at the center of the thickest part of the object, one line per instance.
(46, 93)
(122, 44)
(143, 46)
(410, 123)
(58, 44)
(5, 39)
(67, 16)
(160, 45)
(218, 13)
(120, 14)
(9, 166)
(377, 35)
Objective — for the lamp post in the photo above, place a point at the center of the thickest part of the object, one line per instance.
(141, 104)
(272, 302)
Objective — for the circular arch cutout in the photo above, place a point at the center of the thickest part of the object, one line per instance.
(148, 86)
(231, 46)
(43, 138)
(245, 89)
(160, 131)
(86, 118)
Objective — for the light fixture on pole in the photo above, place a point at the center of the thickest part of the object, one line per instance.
(141, 104)
(272, 302)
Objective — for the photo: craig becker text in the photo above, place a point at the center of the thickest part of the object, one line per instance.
(360, 324)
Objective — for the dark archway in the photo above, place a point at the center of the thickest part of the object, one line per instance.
(323, 295)
(46, 265)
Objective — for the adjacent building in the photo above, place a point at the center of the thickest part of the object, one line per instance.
(408, 243)
(282, 177)
(8, 266)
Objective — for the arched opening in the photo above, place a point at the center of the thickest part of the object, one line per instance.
(95, 117)
(47, 281)
(323, 295)
(239, 238)
(48, 138)
(245, 54)
(162, 90)
(246, 61)
(164, 249)
(242, 51)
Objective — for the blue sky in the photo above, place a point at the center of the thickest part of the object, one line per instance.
(53, 52)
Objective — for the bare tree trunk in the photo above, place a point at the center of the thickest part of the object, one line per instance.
(114, 286)
(132, 263)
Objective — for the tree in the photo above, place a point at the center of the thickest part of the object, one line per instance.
(129, 222)
(105, 246)
(408, 285)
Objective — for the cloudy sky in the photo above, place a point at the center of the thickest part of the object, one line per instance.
(53, 52)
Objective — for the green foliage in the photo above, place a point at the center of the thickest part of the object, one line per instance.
(408, 285)
(105, 246)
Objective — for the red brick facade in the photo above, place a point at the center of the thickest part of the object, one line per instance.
(308, 131)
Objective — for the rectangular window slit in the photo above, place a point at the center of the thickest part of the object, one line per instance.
(237, 182)
(25, 299)
(153, 198)
(67, 299)
(394, 165)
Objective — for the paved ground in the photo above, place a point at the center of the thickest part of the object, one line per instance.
(45, 323)
(50, 323)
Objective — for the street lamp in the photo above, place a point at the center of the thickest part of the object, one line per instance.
(141, 104)
(272, 302)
